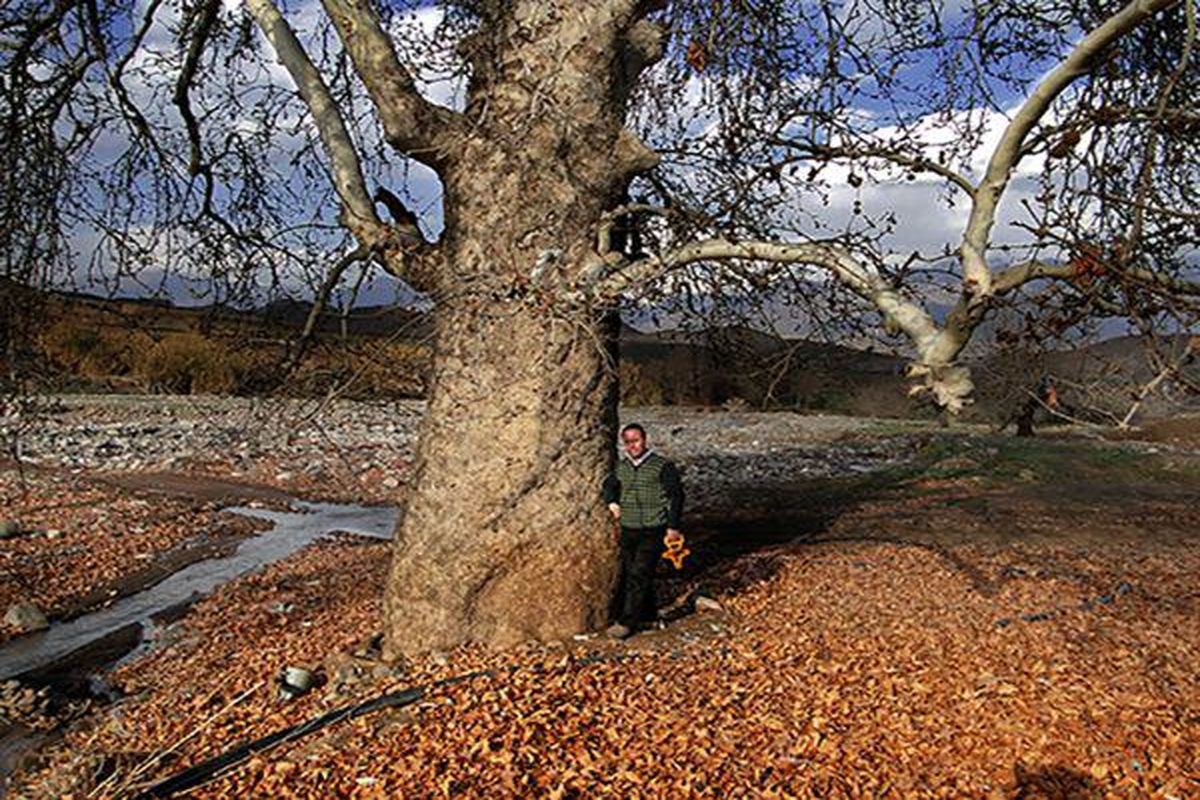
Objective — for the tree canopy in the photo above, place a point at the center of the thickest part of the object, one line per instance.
(166, 136)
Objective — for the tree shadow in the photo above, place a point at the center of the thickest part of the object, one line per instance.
(743, 537)
(1053, 782)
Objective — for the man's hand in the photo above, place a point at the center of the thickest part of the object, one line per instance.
(615, 510)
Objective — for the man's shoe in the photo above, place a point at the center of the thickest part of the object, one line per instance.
(618, 631)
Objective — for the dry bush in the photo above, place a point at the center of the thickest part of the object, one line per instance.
(364, 370)
(188, 363)
(89, 350)
(638, 388)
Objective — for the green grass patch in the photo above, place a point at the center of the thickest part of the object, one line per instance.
(998, 460)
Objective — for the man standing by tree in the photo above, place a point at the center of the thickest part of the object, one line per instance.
(645, 495)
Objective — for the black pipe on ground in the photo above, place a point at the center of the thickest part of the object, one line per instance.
(201, 773)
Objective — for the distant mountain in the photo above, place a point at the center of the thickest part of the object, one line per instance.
(739, 364)
(746, 365)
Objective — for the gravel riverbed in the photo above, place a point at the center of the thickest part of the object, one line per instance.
(346, 450)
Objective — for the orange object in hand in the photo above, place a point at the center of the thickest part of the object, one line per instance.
(675, 552)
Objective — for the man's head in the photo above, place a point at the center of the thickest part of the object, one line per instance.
(633, 439)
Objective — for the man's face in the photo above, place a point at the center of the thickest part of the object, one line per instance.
(634, 443)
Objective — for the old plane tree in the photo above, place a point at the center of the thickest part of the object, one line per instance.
(586, 153)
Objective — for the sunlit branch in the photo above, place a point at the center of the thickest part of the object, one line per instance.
(411, 124)
(358, 209)
(1017, 275)
(1007, 154)
(860, 277)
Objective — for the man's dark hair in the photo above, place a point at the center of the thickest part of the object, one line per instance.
(633, 426)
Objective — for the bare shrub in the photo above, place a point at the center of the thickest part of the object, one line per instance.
(90, 351)
(188, 363)
(638, 388)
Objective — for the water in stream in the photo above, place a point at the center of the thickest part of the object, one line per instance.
(93, 640)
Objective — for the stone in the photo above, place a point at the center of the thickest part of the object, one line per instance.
(707, 604)
(618, 631)
(295, 681)
(26, 617)
(957, 463)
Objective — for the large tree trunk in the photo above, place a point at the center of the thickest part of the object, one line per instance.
(505, 538)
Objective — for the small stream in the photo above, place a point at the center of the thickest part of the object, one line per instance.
(67, 653)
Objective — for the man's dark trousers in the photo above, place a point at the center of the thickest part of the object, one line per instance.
(640, 551)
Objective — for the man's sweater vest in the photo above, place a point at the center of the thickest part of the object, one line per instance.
(643, 499)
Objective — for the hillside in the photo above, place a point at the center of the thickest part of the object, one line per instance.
(94, 343)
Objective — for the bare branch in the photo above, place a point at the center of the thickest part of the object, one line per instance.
(412, 124)
(116, 76)
(1009, 150)
(358, 211)
(1146, 178)
(1170, 368)
(1159, 210)
(300, 346)
(916, 163)
(206, 19)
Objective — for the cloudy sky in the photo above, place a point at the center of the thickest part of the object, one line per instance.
(928, 221)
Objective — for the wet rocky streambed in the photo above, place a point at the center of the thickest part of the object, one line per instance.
(68, 659)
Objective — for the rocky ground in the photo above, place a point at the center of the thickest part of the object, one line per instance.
(335, 450)
(904, 611)
(361, 452)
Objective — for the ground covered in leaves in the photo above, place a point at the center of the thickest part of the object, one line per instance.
(75, 542)
(1001, 619)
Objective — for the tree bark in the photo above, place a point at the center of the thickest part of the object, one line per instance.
(505, 538)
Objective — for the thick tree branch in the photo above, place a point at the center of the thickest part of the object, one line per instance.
(1009, 150)
(612, 278)
(933, 370)
(358, 211)
(1019, 274)
(411, 123)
